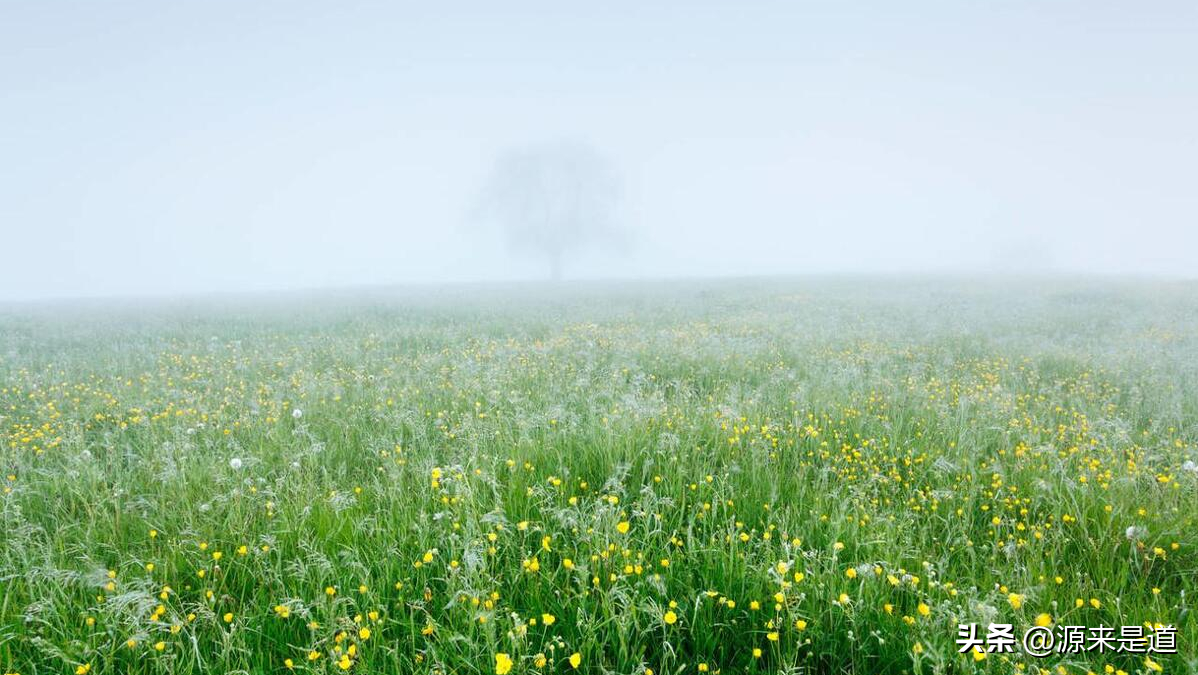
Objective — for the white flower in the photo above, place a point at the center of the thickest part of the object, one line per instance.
(1135, 532)
(297, 413)
(235, 463)
(1190, 466)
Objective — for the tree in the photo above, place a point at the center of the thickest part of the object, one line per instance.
(552, 200)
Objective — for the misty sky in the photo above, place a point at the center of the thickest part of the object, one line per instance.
(163, 147)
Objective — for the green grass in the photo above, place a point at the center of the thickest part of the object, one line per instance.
(952, 442)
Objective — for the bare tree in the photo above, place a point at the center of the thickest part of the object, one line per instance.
(552, 200)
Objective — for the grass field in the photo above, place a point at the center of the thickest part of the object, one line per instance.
(722, 477)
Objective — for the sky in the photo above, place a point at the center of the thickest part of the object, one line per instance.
(151, 148)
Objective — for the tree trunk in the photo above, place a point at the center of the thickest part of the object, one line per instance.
(555, 266)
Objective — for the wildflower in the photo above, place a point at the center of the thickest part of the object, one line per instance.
(235, 463)
(228, 617)
(622, 527)
(283, 611)
(296, 413)
(364, 634)
(1015, 599)
(670, 617)
(503, 663)
(851, 573)
(923, 609)
(548, 619)
(1043, 619)
(575, 660)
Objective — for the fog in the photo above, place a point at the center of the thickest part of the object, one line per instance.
(164, 148)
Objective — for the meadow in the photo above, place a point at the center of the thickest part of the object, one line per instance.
(766, 476)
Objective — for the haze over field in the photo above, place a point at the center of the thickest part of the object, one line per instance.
(152, 148)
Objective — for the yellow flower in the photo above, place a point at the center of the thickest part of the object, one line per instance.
(283, 611)
(772, 636)
(978, 654)
(923, 609)
(228, 617)
(503, 664)
(801, 624)
(1152, 665)
(851, 573)
(575, 660)
(364, 634)
(622, 527)
(159, 646)
(756, 652)
(548, 619)
(670, 617)
(1044, 619)
(83, 669)
(1015, 599)
(843, 599)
